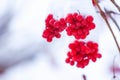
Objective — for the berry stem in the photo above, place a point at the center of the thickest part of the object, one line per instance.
(84, 77)
(109, 14)
(118, 7)
(114, 75)
(78, 11)
(105, 19)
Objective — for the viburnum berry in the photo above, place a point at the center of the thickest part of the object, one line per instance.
(89, 19)
(79, 26)
(82, 52)
(53, 27)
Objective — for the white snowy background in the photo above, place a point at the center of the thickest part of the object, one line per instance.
(25, 55)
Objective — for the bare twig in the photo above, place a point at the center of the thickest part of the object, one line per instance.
(118, 7)
(105, 19)
(84, 77)
(112, 12)
(114, 75)
(109, 14)
(78, 11)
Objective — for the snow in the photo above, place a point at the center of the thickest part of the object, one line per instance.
(25, 55)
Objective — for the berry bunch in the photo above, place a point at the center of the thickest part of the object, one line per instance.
(82, 52)
(79, 26)
(53, 27)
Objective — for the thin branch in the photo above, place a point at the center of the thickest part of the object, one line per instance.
(112, 12)
(78, 11)
(114, 75)
(109, 14)
(118, 7)
(105, 19)
(84, 77)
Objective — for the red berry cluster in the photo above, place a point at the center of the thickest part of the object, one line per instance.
(53, 27)
(79, 26)
(82, 52)
(76, 24)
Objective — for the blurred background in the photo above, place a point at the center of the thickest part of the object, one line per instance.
(25, 55)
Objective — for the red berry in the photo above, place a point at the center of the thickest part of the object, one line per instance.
(49, 39)
(91, 26)
(49, 17)
(94, 59)
(67, 60)
(79, 18)
(80, 65)
(57, 35)
(69, 54)
(86, 62)
(71, 63)
(75, 15)
(89, 19)
(99, 55)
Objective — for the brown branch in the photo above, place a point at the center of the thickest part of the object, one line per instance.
(105, 19)
(109, 14)
(118, 7)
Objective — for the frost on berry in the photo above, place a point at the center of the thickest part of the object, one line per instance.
(53, 27)
(78, 25)
(82, 52)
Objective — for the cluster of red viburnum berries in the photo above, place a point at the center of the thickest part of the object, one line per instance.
(53, 27)
(82, 52)
(78, 26)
